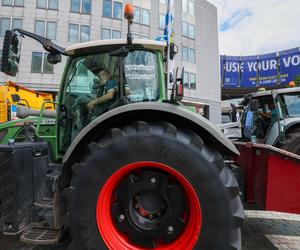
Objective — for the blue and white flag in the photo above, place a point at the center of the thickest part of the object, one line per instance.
(168, 35)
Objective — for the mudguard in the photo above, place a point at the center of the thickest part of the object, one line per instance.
(162, 111)
(273, 137)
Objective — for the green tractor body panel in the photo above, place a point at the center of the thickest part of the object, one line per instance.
(14, 131)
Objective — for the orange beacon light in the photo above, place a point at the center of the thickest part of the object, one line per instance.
(129, 12)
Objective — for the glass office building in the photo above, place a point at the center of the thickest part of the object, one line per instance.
(73, 21)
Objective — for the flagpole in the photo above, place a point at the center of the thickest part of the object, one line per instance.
(168, 43)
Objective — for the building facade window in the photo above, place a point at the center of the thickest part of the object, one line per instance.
(185, 29)
(191, 8)
(188, 30)
(188, 7)
(45, 28)
(40, 64)
(17, 3)
(107, 8)
(0, 58)
(145, 17)
(186, 80)
(137, 15)
(188, 54)
(185, 53)
(84, 33)
(136, 36)
(146, 37)
(73, 32)
(9, 23)
(191, 31)
(116, 34)
(189, 80)
(117, 10)
(140, 36)
(107, 33)
(184, 5)
(141, 16)
(192, 80)
(112, 9)
(47, 4)
(81, 6)
(79, 33)
(162, 21)
(192, 57)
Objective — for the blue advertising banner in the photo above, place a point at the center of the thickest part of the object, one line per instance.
(265, 70)
(230, 71)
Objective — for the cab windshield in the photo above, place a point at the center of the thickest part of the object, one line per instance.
(95, 84)
(291, 104)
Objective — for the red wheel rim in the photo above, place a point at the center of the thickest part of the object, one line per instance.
(117, 240)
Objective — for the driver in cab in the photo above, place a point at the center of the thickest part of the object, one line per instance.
(105, 90)
(271, 114)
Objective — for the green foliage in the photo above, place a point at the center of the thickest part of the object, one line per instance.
(297, 81)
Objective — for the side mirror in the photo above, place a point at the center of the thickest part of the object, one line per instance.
(54, 58)
(254, 105)
(173, 50)
(10, 53)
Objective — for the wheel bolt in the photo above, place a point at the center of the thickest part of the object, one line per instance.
(170, 229)
(153, 180)
(121, 217)
(150, 216)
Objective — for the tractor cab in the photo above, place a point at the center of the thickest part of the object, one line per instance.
(270, 116)
(105, 74)
(100, 76)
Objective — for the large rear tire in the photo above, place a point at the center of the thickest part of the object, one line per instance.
(194, 198)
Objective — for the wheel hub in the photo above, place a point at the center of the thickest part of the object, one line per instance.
(153, 204)
(149, 204)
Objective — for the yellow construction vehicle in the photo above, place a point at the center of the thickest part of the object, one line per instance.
(12, 95)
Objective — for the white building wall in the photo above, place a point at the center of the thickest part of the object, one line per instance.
(206, 68)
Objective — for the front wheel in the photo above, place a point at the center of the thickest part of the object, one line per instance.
(292, 141)
(153, 186)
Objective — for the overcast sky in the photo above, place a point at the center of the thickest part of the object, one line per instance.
(248, 27)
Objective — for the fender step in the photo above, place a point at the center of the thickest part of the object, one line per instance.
(37, 234)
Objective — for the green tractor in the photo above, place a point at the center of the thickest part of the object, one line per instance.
(126, 167)
(272, 117)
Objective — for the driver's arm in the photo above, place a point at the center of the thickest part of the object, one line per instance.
(105, 98)
(266, 115)
(102, 99)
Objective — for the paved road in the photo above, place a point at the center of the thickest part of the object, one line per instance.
(262, 231)
(271, 230)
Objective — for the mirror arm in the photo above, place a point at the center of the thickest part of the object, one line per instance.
(47, 43)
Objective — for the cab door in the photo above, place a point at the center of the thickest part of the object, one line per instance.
(280, 118)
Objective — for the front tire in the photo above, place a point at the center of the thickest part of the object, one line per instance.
(292, 141)
(194, 201)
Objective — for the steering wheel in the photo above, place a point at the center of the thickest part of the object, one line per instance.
(121, 101)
